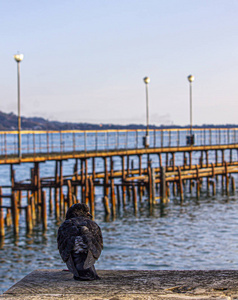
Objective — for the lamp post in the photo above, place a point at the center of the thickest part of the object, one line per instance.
(18, 58)
(190, 139)
(146, 138)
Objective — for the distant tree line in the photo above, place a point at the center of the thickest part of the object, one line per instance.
(10, 122)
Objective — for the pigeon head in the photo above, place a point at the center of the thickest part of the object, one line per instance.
(78, 210)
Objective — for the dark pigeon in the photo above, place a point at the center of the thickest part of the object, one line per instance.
(80, 242)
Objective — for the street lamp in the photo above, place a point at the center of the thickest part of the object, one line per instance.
(190, 138)
(146, 141)
(18, 58)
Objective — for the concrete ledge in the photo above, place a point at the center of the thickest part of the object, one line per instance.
(135, 285)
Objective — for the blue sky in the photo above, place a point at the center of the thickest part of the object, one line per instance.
(84, 61)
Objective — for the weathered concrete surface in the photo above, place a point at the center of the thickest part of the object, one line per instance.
(125, 285)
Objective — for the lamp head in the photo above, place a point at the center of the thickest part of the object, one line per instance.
(18, 57)
(190, 78)
(146, 80)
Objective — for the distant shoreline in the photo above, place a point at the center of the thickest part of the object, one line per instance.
(10, 121)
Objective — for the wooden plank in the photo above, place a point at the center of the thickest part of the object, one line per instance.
(128, 284)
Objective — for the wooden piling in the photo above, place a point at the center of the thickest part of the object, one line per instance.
(150, 185)
(174, 189)
(91, 196)
(153, 184)
(184, 160)
(50, 201)
(113, 197)
(86, 183)
(106, 179)
(118, 197)
(190, 159)
(15, 214)
(135, 199)
(201, 160)
(93, 168)
(2, 228)
(140, 173)
(106, 205)
(162, 185)
(123, 180)
(213, 184)
(207, 159)
(61, 182)
(33, 207)
(29, 221)
(69, 194)
(233, 184)
(57, 206)
(82, 161)
(8, 218)
(167, 190)
(180, 185)
(198, 181)
(44, 210)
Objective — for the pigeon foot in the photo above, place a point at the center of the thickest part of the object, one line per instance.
(86, 278)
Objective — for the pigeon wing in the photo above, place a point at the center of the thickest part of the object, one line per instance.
(93, 238)
(67, 233)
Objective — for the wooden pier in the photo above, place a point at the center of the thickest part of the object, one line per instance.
(156, 180)
(128, 285)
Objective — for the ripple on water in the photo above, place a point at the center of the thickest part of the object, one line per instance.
(199, 235)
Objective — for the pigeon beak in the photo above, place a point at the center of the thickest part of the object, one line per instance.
(88, 214)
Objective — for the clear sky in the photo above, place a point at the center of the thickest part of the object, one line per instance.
(84, 61)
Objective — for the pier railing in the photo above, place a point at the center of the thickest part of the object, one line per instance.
(46, 142)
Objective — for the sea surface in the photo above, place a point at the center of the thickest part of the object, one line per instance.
(200, 234)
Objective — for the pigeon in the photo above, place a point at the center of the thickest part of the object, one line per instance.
(80, 242)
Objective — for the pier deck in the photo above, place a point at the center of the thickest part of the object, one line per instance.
(124, 285)
(42, 157)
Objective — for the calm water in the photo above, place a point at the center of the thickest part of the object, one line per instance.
(198, 235)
